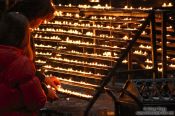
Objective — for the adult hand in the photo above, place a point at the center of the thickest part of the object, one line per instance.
(52, 81)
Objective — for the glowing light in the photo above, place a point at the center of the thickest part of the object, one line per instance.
(40, 61)
(146, 47)
(124, 61)
(148, 61)
(79, 62)
(167, 5)
(172, 65)
(139, 52)
(126, 7)
(72, 70)
(94, 1)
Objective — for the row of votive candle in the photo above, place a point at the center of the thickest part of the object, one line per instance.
(145, 46)
(61, 14)
(78, 42)
(150, 67)
(44, 46)
(106, 6)
(59, 30)
(87, 43)
(66, 91)
(104, 54)
(88, 33)
(43, 53)
(40, 61)
(106, 36)
(48, 46)
(82, 72)
(100, 26)
(139, 8)
(71, 70)
(140, 52)
(79, 33)
(79, 62)
(47, 37)
(71, 81)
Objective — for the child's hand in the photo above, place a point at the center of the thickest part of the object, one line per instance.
(52, 81)
(51, 95)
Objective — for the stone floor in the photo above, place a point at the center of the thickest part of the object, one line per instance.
(103, 107)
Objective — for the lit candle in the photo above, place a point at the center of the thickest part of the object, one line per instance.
(164, 5)
(170, 4)
(148, 67)
(172, 65)
(124, 61)
(125, 37)
(148, 61)
(126, 7)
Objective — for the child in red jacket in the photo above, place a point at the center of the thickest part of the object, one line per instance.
(17, 71)
(37, 11)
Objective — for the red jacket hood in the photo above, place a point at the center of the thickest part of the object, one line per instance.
(7, 55)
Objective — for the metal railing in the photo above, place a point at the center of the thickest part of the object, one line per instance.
(150, 20)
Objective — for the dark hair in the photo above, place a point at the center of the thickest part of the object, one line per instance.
(34, 9)
(14, 29)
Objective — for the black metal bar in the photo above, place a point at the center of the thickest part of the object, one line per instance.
(153, 44)
(119, 62)
(116, 104)
(164, 46)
